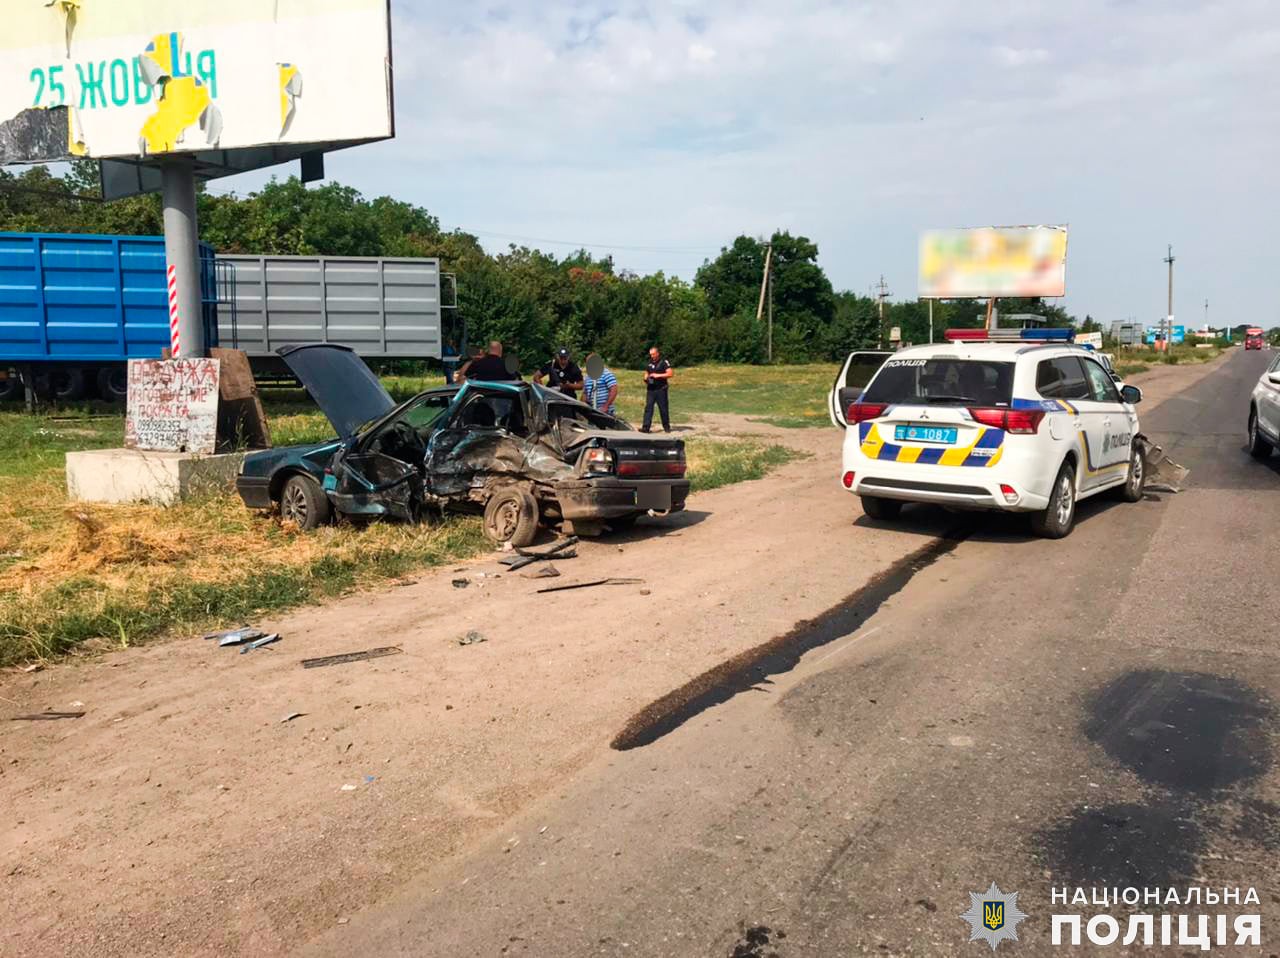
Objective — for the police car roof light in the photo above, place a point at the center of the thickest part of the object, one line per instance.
(1063, 335)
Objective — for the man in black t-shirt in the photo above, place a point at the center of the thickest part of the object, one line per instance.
(561, 373)
(657, 373)
(488, 368)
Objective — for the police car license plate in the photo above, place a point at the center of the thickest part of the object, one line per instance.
(945, 435)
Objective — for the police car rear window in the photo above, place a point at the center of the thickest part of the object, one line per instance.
(941, 381)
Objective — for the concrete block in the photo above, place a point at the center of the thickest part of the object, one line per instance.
(134, 475)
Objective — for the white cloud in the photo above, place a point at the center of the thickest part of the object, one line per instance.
(677, 125)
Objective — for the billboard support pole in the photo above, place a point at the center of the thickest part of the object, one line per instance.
(991, 312)
(930, 322)
(182, 250)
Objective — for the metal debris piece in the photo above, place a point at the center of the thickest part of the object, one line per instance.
(585, 585)
(548, 571)
(291, 716)
(1162, 472)
(555, 549)
(240, 635)
(259, 643)
(471, 638)
(47, 716)
(344, 657)
(461, 583)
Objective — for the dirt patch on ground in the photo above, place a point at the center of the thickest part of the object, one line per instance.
(182, 814)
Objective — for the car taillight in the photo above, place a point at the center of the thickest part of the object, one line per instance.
(598, 459)
(862, 411)
(652, 468)
(847, 479)
(1017, 421)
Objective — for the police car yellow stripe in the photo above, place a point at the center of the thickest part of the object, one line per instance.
(875, 447)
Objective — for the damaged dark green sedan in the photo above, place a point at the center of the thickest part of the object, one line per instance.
(523, 456)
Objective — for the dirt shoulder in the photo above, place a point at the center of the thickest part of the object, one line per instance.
(181, 815)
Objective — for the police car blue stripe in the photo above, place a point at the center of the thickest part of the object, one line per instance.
(889, 451)
(863, 429)
(931, 455)
(991, 439)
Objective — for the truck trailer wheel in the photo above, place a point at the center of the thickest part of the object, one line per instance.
(113, 383)
(69, 385)
(11, 389)
(511, 515)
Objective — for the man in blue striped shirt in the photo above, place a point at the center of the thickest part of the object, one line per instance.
(600, 392)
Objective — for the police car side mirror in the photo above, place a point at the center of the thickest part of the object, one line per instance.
(1131, 395)
(1274, 377)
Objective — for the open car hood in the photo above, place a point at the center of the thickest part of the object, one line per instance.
(345, 389)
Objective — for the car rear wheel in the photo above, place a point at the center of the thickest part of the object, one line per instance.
(303, 502)
(1135, 485)
(1259, 448)
(884, 509)
(511, 515)
(1059, 517)
(113, 383)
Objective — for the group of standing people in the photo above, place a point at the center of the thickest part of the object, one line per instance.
(562, 373)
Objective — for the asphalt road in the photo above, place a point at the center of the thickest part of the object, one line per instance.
(1099, 710)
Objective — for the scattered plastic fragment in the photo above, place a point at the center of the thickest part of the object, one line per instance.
(259, 643)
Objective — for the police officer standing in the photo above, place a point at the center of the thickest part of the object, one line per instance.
(561, 373)
(657, 374)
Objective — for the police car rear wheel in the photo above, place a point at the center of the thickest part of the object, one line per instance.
(883, 509)
(1136, 484)
(1059, 517)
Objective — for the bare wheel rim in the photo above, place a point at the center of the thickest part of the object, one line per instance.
(505, 519)
(295, 504)
(1066, 501)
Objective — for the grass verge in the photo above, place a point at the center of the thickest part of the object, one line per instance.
(721, 462)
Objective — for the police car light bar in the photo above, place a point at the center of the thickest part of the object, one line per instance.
(1064, 335)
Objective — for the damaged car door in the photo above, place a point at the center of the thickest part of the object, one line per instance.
(383, 473)
(488, 436)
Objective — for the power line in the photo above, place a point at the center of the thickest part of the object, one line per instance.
(582, 244)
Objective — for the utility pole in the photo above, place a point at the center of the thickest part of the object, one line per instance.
(1168, 321)
(930, 322)
(766, 288)
(1206, 314)
(881, 292)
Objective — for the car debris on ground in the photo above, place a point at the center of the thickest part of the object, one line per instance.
(235, 636)
(47, 716)
(344, 657)
(472, 638)
(548, 571)
(259, 643)
(592, 582)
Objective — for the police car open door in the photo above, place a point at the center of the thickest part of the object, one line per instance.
(854, 375)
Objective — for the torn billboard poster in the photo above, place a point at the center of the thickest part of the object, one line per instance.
(993, 261)
(128, 79)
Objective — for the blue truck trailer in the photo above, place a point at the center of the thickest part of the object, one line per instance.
(75, 308)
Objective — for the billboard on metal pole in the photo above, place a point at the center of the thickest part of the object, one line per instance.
(235, 84)
(993, 262)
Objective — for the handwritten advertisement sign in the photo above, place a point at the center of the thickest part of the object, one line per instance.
(172, 405)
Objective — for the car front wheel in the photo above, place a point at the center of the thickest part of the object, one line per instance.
(1136, 484)
(303, 502)
(1259, 448)
(1059, 516)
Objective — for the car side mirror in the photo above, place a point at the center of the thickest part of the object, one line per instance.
(1131, 395)
(1274, 377)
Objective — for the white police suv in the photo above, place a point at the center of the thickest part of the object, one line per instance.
(1264, 412)
(1014, 420)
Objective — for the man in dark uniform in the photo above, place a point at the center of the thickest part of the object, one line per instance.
(561, 373)
(657, 374)
(488, 368)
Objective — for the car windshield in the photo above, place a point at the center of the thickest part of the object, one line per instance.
(942, 380)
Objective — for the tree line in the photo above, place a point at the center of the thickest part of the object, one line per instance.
(530, 299)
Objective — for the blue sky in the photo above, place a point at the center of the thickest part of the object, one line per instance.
(659, 131)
